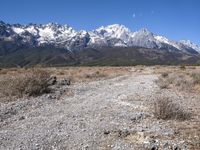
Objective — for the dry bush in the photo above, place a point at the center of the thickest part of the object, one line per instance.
(32, 82)
(196, 77)
(96, 74)
(165, 80)
(87, 74)
(3, 71)
(164, 74)
(181, 81)
(188, 80)
(164, 108)
(192, 67)
(163, 84)
(182, 67)
(61, 73)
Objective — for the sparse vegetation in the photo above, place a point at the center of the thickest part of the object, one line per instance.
(96, 74)
(162, 83)
(33, 82)
(195, 77)
(86, 74)
(164, 74)
(175, 113)
(182, 67)
(184, 80)
(165, 108)
(20, 82)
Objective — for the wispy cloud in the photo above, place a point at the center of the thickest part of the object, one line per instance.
(134, 15)
(141, 14)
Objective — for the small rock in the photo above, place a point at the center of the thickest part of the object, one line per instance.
(106, 132)
(86, 147)
(22, 118)
(68, 135)
(65, 82)
(176, 148)
(54, 80)
(166, 145)
(124, 133)
(154, 148)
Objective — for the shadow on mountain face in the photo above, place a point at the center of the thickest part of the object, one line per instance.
(11, 56)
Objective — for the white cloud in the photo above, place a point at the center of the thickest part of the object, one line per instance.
(134, 16)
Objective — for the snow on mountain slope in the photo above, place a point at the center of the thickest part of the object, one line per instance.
(46, 34)
(143, 38)
(96, 40)
(162, 39)
(18, 30)
(115, 31)
(32, 30)
(64, 36)
(54, 33)
(190, 44)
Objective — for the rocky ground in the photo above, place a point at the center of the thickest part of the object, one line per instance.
(99, 115)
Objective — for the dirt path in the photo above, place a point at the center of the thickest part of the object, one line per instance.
(100, 115)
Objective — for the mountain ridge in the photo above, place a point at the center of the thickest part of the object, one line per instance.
(53, 44)
(64, 36)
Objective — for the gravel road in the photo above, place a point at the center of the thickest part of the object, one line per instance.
(103, 114)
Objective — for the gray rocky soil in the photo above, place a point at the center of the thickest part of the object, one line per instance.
(105, 114)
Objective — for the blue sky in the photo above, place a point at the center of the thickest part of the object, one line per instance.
(175, 19)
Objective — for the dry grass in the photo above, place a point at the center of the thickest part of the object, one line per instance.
(190, 133)
(165, 108)
(187, 79)
(180, 81)
(164, 74)
(19, 82)
(196, 77)
(30, 82)
(87, 74)
(185, 83)
(77, 74)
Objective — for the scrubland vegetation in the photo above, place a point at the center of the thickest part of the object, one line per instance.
(183, 81)
(19, 82)
(180, 78)
(29, 82)
(165, 108)
(173, 92)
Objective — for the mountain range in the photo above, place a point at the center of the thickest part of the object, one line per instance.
(55, 44)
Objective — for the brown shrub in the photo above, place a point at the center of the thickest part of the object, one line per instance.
(164, 74)
(3, 71)
(61, 73)
(96, 74)
(163, 84)
(165, 109)
(33, 82)
(182, 67)
(181, 81)
(196, 77)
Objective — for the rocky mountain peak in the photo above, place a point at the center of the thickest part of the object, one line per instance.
(64, 36)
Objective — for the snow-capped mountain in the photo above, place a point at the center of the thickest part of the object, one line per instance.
(190, 45)
(64, 36)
